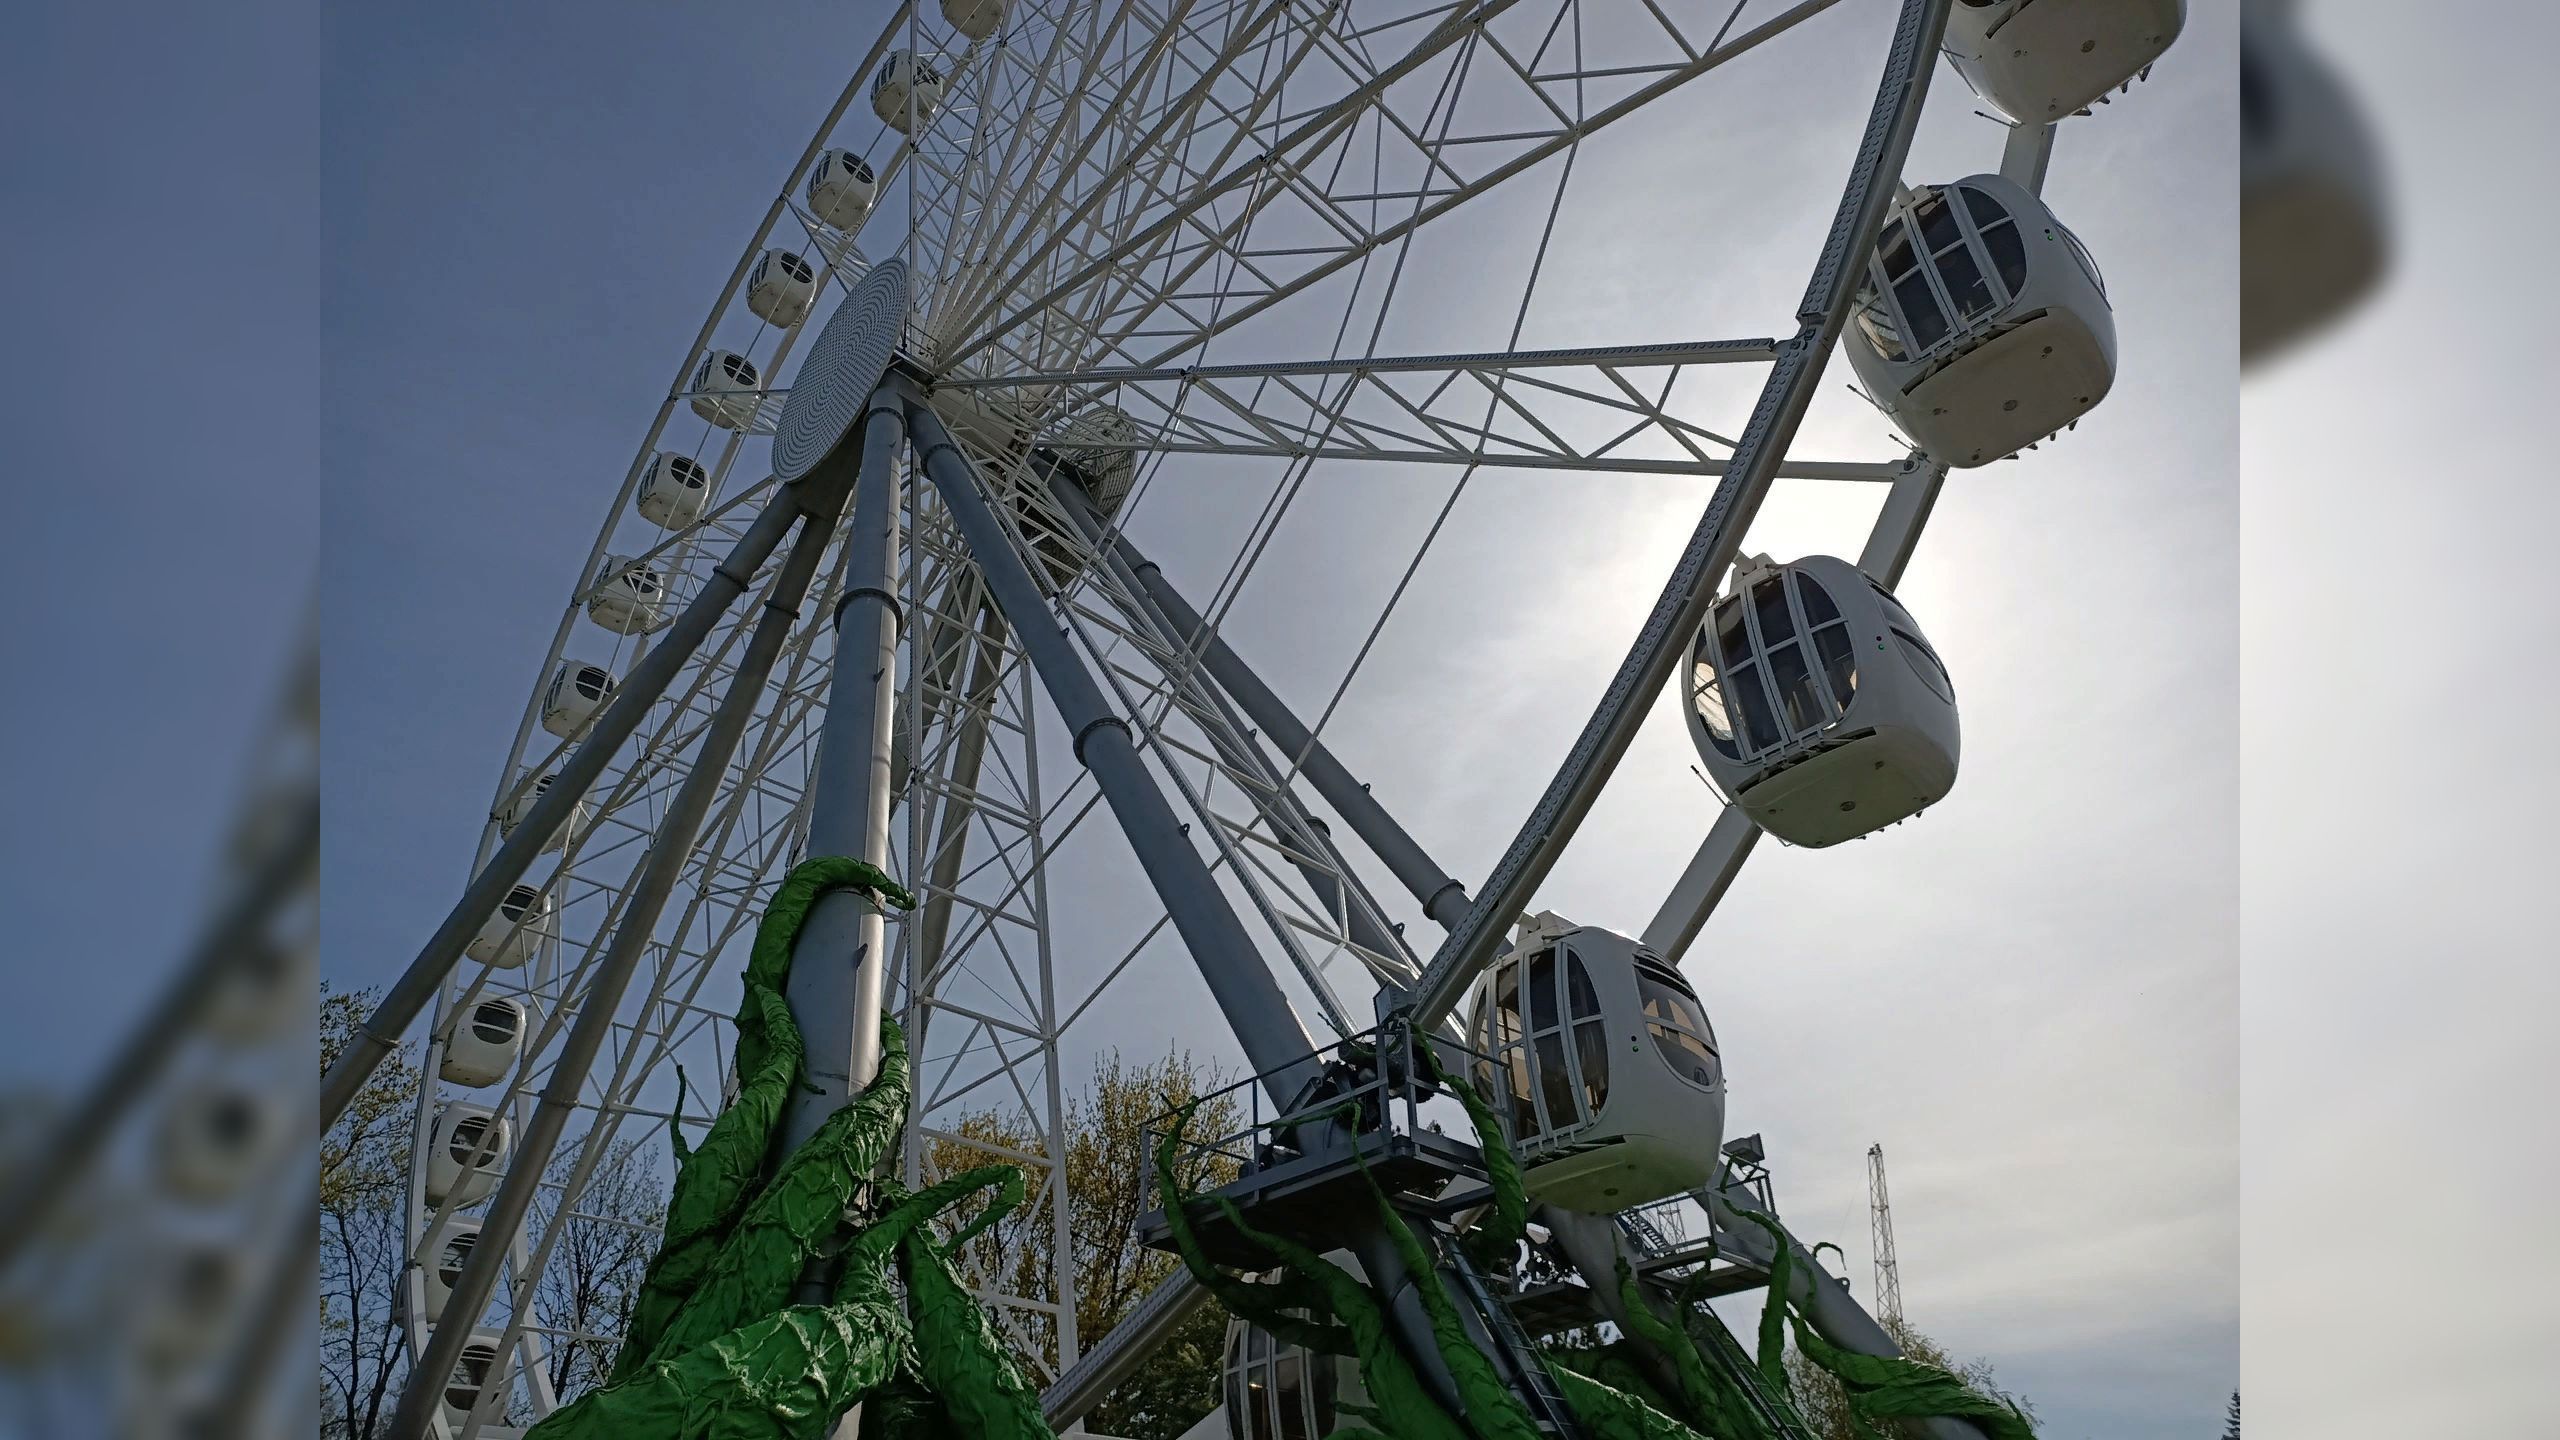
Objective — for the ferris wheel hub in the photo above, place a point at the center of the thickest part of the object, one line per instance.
(852, 354)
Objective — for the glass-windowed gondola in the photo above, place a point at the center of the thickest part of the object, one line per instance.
(629, 598)
(576, 692)
(1601, 1056)
(1275, 1390)
(781, 288)
(906, 81)
(725, 387)
(482, 1048)
(1818, 705)
(2314, 225)
(1982, 325)
(976, 19)
(460, 1234)
(469, 1153)
(841, 188)
(519, 808)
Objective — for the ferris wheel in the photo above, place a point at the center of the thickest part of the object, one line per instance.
(1037, 258)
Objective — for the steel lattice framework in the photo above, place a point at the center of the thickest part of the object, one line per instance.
(1138, 235)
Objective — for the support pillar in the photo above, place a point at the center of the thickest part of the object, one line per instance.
(839, 963)
(1441, 896)
(1274, 1041)
(668, 852)
(621, 716)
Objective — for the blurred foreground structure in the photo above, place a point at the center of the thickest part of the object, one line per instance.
(156, 1238)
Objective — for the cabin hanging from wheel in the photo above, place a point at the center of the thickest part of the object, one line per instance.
(1981, 325)
(1817, 704)
(1600, 1056)
(906, 80)
(483, 1048)
(2041, 60)
(841, 188)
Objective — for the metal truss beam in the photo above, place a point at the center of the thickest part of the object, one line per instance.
(1691, 587)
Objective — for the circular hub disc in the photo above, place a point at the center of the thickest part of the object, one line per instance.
(842, 370)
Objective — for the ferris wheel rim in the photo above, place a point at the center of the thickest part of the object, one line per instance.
(514, 776)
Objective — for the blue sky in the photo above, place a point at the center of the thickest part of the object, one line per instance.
(521, 210)
(2028, 996)
(165, 363)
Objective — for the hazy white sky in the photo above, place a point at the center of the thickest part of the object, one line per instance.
(2027, 995)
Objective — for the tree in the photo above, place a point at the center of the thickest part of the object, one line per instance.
(584, 1295)
(2231, 1419)
(1106, 1143)
(364, 1162)
(586, 1292)
(1824, 1405)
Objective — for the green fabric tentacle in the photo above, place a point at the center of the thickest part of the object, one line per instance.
(1888, 1388)
(714, 1352)
(717, 1179)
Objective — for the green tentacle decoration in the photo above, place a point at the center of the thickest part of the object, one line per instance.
(1712, 1402)
(1492, 1410)
(963, 1361)
(1882, 1388)
(1773, 1338)
(1510, 1219)
(1613, 1414)
(723, 1173)
(1342, 1316)
(799, 1209)
(714, 1350)
(1287, 1304)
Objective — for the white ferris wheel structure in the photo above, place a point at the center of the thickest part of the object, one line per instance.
(1039, 258)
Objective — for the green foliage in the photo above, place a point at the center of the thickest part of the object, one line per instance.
(1105, 1125)
(721, 1355)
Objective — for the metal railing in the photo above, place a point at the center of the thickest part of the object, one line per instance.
(1377, 1080)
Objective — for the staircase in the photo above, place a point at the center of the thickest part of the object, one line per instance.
(1537, 1388)
(1777, 1414)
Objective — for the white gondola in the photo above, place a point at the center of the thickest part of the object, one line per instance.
(2040, 60)
(186, 1307)
(906, 80)
(576, 692)
(2313, 219)
(266, 990)
(976, 19)
(673, 491)
(514, 933)
(1603, 1058)
(513, 813)
(482, 1048)
(452, 1253)
(781, 288)
(724, 389)
(468, 1152)
(629, 598)
(1278, 1391)
(840, 190)
(1101, 442)
(470, 1372)
(215, 1139)
(1982, 325)
(1818, 705)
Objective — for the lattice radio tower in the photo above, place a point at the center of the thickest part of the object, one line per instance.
(1888, 1270)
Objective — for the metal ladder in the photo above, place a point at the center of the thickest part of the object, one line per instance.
(1721, 1347)
(1774, 1411)
(1537, 1388)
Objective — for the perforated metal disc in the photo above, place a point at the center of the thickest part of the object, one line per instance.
(842, 370)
